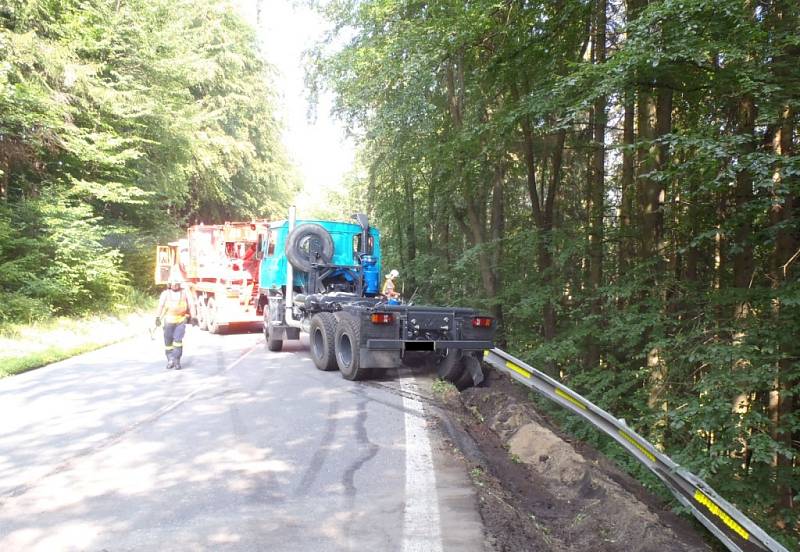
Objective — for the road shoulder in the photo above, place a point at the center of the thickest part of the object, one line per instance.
(537, 490)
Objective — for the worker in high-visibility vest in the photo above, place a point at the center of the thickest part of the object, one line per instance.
(175, 309)
(389, 290)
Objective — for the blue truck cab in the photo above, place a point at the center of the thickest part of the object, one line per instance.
(347, 251)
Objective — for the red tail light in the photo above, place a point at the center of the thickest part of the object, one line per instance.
(382, 318)
(482, 322)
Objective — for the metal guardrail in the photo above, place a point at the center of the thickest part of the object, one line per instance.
(729, 525)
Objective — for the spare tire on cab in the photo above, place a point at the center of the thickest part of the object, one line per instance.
(309, 243)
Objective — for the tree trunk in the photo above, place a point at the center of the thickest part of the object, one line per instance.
(542, 210)
(545, 245)
(654, 121)
(626, 242)
(474, 228)
(648, 190)
(692, 254)
(5, 179)
(783, 18)
(400, 245)
(530, 172)
(654, 238)
(782, 403)
(448, 254)
(410, 229)
(430, 227)
(663, 127)
(743, 195)
(497, 225)
(597, 189)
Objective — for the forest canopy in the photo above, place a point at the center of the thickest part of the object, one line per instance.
(618, 182)
(120, 122)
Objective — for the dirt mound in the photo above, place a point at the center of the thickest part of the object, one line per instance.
(539, 491)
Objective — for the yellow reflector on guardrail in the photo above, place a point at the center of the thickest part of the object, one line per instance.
(570, 398)
(521, 371)
(635, 443)
(720, 513)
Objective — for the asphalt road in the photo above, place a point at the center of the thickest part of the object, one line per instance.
(244, 449)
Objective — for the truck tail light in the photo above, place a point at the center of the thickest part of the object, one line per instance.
(482, 322)
(381, 318)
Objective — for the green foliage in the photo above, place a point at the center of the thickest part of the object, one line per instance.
(54, 261)
(688, 330)
(119, 123)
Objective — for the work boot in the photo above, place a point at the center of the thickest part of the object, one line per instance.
(177, 364)
(170, 364)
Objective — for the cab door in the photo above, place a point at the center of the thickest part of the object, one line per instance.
(165, 260)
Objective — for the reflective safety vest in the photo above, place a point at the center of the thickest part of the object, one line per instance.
(176, 307)
(388, 287)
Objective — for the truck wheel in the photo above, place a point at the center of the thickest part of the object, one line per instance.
(322, 336)
(348, 339)
(211, 316)
(466, 380)
(450, 367)
(274, 345)
(303, 241)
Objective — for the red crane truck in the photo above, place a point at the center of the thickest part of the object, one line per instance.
(218, 266)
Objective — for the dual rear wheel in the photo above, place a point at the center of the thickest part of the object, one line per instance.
(322, 339)
(335, 341)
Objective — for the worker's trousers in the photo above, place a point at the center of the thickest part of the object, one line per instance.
(173, 340)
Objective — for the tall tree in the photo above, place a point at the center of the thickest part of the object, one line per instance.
(522, 125)
(597, 187)
(119, 123)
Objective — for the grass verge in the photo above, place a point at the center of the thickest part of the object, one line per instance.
(26, 347)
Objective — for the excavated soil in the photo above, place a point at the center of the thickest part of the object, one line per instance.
(539, 491)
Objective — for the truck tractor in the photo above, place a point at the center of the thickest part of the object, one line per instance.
(323, 278)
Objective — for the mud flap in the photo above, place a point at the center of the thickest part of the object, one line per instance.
(473, 367)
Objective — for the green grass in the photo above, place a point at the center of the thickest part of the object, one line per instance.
(25, 347)
(476, 474)
(440, 386)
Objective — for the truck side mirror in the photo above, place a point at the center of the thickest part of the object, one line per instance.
(259, 247)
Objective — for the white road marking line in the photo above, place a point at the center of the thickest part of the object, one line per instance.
(421, 531)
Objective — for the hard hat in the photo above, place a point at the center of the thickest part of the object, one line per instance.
(393, 274)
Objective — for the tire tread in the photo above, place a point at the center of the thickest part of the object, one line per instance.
(349, 324)
(326, 322)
